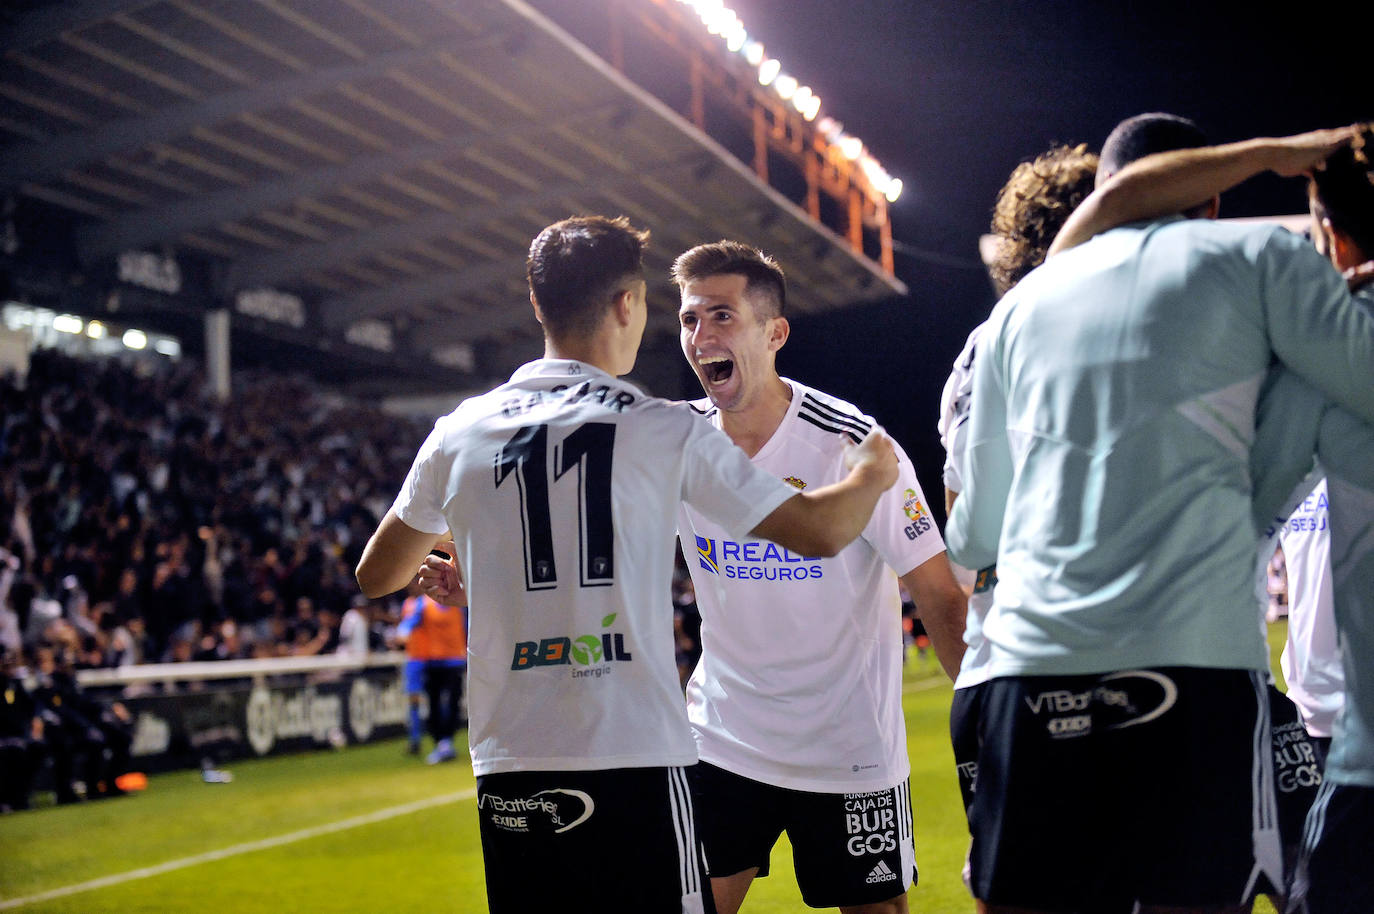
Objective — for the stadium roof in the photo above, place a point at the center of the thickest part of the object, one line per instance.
(357, 181)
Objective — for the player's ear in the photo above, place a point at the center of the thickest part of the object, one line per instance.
(622, 306)
(778, 332)
(538, 315)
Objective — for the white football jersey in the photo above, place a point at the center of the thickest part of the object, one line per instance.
(1311, 658)
(955, 401)
(561, 488)
(799, 683)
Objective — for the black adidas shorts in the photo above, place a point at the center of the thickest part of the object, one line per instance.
(847, 848)
(1096, 791)
(622, 840)
(1334, 875)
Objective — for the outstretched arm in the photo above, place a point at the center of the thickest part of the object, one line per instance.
(823, 522)
(1171, 182)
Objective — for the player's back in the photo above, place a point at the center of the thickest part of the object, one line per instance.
(561, 489)
(1131, 368)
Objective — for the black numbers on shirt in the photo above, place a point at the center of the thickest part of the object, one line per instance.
(588, 449)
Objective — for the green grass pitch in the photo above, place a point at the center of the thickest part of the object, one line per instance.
(372, 829)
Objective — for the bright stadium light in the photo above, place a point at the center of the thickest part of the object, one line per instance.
(786, 86)
(168, 347)
(736, 37)
(753, 52)
(801, 98)
(768, 70)
(95, 330)
(135, 339)
(894, 190)
(852, 147)
(813, 107)
(68, 323)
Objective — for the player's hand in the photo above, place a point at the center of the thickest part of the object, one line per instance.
(1307, 152)
(441, 580)
(1357, 276)
(874, 457)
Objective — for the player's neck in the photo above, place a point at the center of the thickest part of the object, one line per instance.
(597, 352)
(753, 425)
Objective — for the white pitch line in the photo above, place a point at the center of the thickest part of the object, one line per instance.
(248, 847)
(921, 685)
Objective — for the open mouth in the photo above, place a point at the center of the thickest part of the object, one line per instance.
(717, 368)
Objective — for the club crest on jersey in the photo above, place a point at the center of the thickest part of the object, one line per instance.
(794, 481)
(917, 514)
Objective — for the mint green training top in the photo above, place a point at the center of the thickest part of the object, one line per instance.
(1113, 414)
(1295, 421)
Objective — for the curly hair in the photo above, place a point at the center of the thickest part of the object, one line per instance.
(1033, 205)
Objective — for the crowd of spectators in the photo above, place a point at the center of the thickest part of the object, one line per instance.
(142, 521)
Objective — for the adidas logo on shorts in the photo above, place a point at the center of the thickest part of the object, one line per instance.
(881, 873)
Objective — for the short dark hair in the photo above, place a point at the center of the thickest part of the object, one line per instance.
(764, 279)
(1345, 190)
(576, 267)
(1146, 134)
(1033, 206)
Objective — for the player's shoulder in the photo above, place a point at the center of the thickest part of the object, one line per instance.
(820, 413)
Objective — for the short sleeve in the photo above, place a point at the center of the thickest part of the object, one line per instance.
(721, 482)
(902, 529)
(954, 409)
(420, 501)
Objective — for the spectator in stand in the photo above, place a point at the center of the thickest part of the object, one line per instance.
(171, 507)
(83, 735)
(21, 737)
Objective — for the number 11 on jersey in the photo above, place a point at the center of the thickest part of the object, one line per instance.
(589, 449)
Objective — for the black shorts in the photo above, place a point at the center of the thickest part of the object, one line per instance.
(1334, 875)
(963, 734)
(847, 848)
(1298, 764)
(622, 840)
(1101, 790)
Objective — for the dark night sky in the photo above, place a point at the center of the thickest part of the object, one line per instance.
(951, 94)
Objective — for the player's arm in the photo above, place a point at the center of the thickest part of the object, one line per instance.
(823, 522)
(392, 555)
(1171, 182)
(942, 605)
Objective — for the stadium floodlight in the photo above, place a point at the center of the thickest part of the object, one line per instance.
(719, 21)
(813, 107)
(894, 190)
(168, 347)
(786, 86)
(135, 339)
(852, 147)
(753, 52)
(68, 323)
(768, 71)
(801, 98)
(735, 38)
(95, 330)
